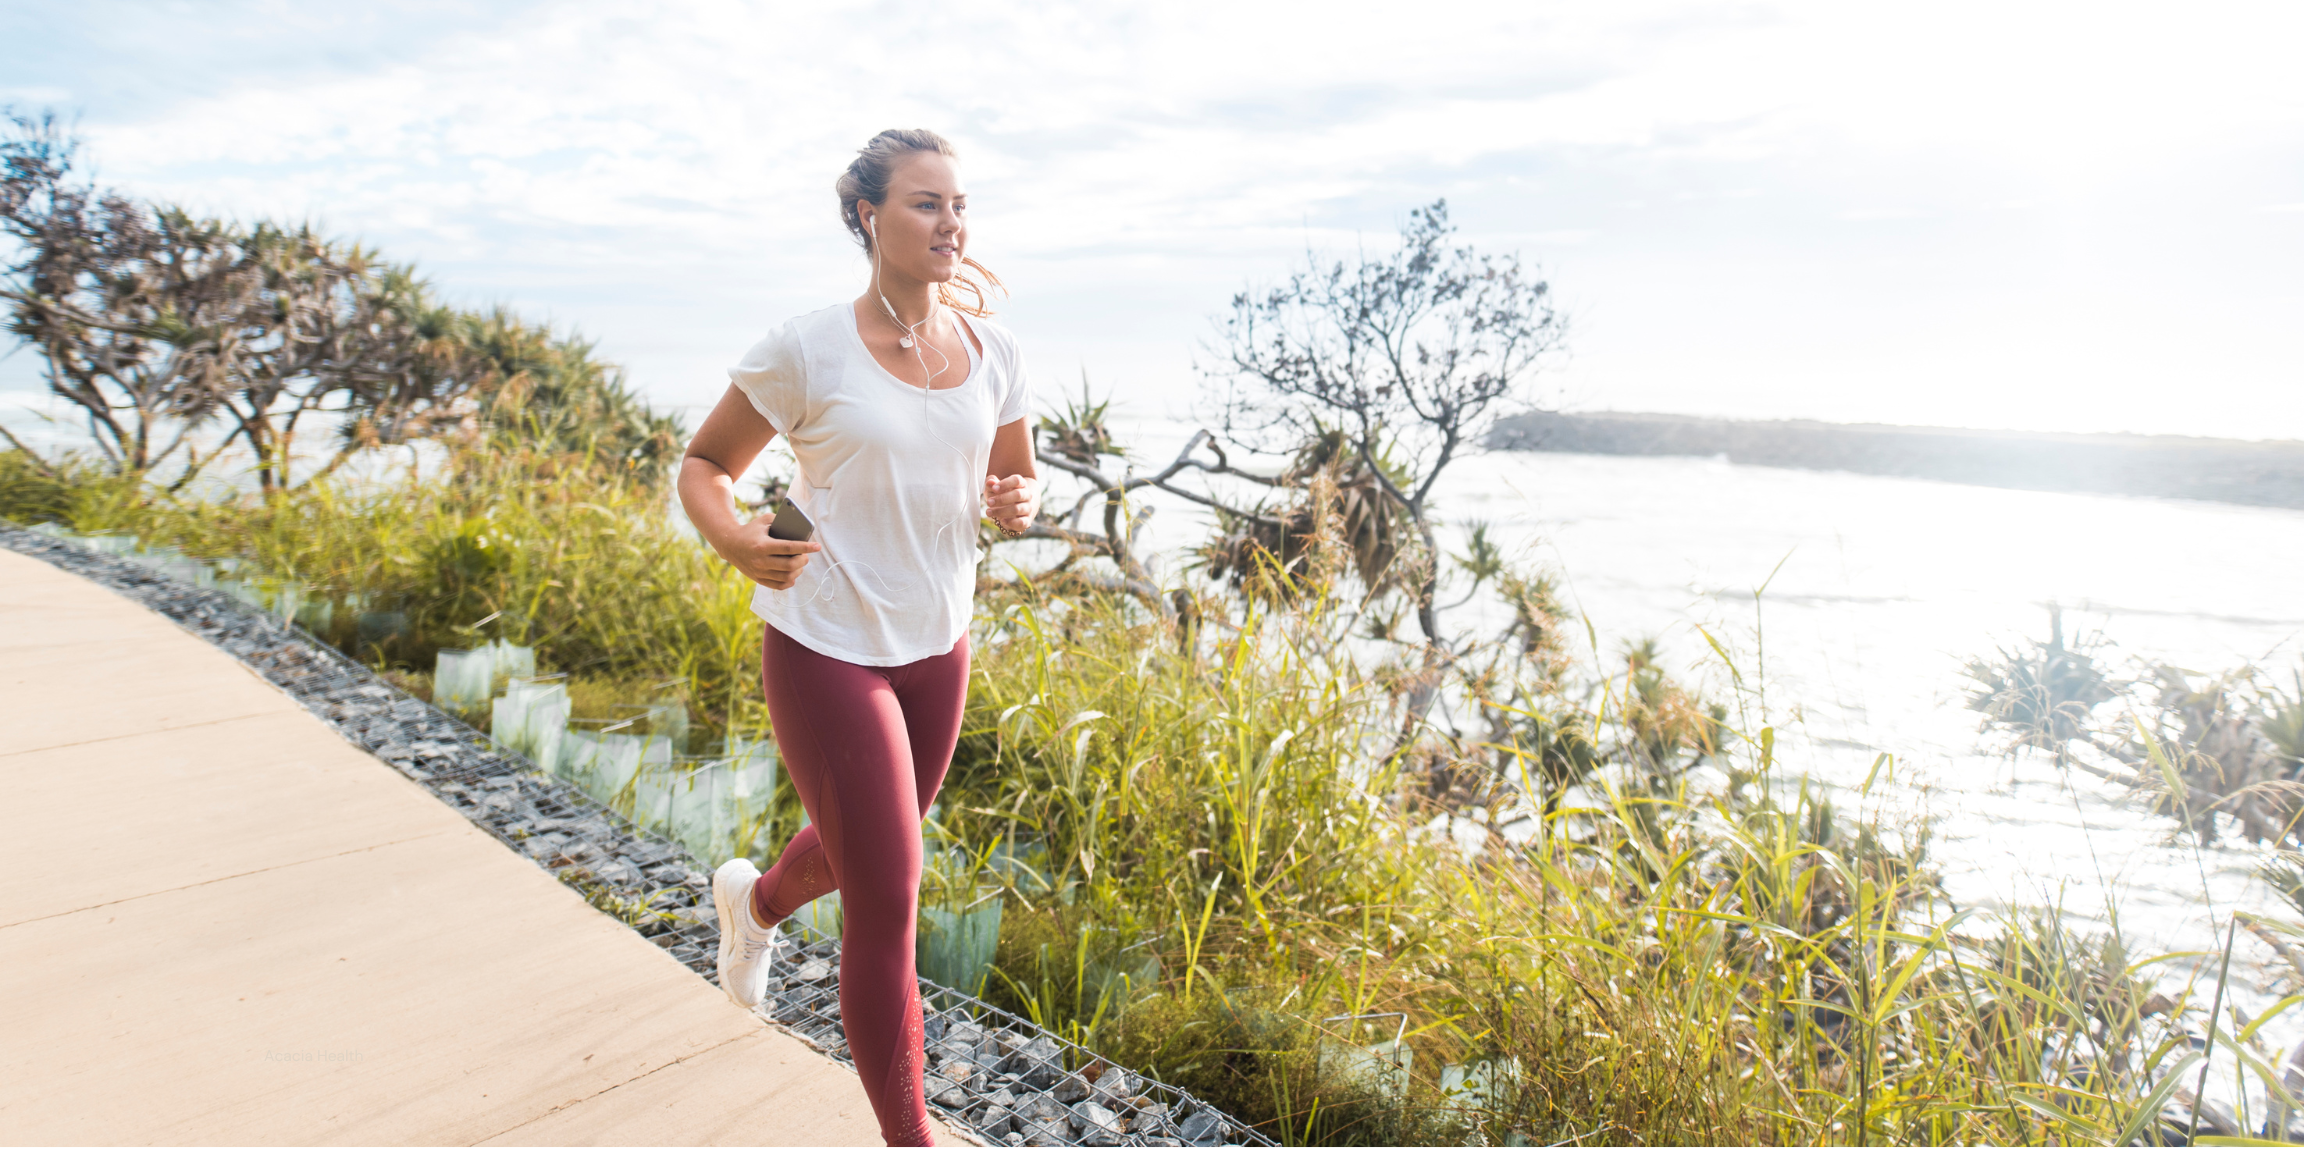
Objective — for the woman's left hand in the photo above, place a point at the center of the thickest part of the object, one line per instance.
(1012, 502)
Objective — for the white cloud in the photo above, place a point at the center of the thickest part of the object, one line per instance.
(1946, 213)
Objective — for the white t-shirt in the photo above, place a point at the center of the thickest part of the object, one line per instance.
(893, 477)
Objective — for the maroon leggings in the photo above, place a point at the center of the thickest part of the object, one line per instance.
(866, 748)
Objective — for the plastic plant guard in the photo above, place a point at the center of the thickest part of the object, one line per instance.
(169, 562)
(1125, 973)
(619, 762)
(464, 680)
(377, 627)
(283, 598)
(669, 716)
(957, 946)
(751, 777)
(508, 721)
(690, 820)
(671, 719)
(293, 596)
(317, 615)
(651, 758)
(652, 790)
(461, 680)
(579, 752)
(242, 591)
(752, 767)
(547, 719)
(668, 722)
(531, 718)
(1024, 863)
(712, 817)
(819, 919)
(1476, 1086)
(1381, 1069)
(724, 808)
(508, 661)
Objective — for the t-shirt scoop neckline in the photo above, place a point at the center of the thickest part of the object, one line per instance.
(975, 359)
(895, 500)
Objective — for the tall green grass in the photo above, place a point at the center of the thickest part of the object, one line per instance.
(1227, 859)
(1665, 966)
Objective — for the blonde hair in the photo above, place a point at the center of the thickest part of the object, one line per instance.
(866, 181)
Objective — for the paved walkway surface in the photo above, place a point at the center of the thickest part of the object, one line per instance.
(224, 925)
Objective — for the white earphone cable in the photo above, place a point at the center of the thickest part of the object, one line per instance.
(912, 340)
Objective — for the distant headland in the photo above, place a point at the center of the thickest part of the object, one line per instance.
(2261, 472)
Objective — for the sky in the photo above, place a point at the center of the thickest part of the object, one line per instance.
(2073, 217)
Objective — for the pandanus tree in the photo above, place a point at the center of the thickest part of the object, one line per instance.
(136, 316)
(159, 326)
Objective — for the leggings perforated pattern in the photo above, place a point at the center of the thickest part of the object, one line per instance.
(866, 748)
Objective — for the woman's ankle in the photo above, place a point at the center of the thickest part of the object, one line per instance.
(762, 920)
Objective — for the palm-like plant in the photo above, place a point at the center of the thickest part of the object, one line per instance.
(2042, 693)
(2281, 721)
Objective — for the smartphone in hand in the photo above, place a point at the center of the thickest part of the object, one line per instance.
(791, 523)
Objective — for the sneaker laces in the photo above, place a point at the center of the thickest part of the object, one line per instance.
(755, 945)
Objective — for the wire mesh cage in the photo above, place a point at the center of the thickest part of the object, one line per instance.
(1003, 1077)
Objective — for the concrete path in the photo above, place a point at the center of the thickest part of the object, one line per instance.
(221, 924)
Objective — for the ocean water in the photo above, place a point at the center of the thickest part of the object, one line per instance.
(1877, 592)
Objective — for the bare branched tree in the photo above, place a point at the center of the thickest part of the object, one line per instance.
(1406, 356)
(1077, 443)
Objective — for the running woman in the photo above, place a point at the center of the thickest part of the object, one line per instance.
(906, 409)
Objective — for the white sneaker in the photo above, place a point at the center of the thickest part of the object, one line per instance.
(747, 951)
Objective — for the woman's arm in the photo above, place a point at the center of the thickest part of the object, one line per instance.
(1012, 491)
(731, 438)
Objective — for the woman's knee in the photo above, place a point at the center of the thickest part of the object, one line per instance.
(887, 898)
(885, 888)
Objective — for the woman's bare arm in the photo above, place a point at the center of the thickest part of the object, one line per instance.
(1012, 491)
(727, 444)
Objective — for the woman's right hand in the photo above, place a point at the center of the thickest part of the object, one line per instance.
(765, 559)
(730, 440)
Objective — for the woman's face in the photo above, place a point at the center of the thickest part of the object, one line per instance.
(922, 228)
